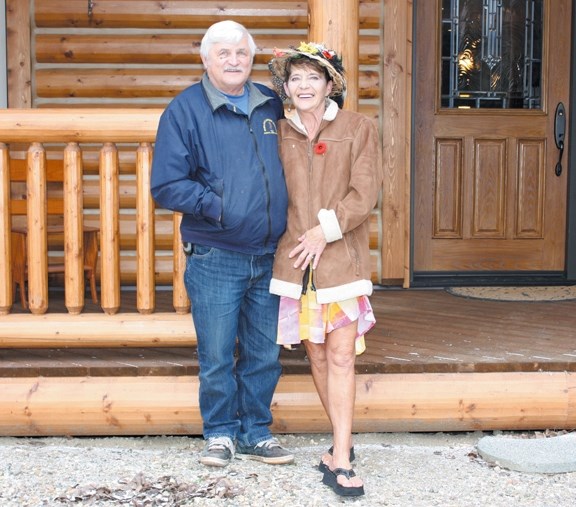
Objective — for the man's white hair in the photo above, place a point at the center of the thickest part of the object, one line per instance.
(228, 32)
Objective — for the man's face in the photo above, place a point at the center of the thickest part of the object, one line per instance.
(229, 66)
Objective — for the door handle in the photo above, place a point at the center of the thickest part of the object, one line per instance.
(559, 133)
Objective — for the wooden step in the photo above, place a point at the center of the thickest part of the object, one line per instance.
(168, 405)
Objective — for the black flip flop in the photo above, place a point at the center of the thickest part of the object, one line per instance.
(323, 466)
(331, 480)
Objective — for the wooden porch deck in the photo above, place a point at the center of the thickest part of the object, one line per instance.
(417, 331)
(434, 362)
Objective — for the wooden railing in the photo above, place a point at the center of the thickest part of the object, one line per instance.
(33, 129)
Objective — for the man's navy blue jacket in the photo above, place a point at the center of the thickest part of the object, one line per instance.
(220, 168)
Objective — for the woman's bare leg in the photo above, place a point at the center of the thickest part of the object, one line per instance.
(332, 365)
(341, 395)
(316, 353)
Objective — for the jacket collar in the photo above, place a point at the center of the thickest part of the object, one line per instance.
(329, 115)
(217, 99)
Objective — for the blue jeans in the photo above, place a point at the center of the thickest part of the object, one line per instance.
(236, 320)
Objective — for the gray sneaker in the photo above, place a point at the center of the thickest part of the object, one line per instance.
(217, 452)
(268, 451)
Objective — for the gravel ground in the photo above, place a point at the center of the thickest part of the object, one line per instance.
(398, 469)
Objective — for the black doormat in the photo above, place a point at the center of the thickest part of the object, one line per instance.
(548, 293)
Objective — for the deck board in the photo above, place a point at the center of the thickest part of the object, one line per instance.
(417, 331)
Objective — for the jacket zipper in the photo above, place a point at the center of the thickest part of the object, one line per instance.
(266, 181)
(310, 163)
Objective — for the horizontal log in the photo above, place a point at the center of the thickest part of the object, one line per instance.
(164, 232)
(163, 269)
(370, 108)
(370, 12)
(97, 330)
(152, 48)
(164, 405)
(261, 14)
(90, 153)
(154, 14)
(164, 229)
(163, 237)
(70, 104)
(117, 82)
(79, 125)
(20, 206)
(19, 170)
(146, 82)
(164, 266)
(164, 48)
(125, 406)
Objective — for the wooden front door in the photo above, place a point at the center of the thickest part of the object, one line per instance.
(488, 198)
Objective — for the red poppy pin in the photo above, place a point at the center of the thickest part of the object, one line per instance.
(320, 148)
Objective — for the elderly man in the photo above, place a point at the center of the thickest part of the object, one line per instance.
(216, 161)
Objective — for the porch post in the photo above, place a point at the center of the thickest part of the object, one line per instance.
(336, 23)
(18, 48)
(7, 288)
(3, 68)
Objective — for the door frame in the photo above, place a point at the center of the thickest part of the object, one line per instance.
(507, 278)
(571, 208)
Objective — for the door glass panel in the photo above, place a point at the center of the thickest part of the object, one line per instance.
(491, 54)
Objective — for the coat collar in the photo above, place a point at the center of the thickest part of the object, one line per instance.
(216, 99)
(329, 115)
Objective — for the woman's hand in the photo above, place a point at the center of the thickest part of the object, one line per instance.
(312, 244)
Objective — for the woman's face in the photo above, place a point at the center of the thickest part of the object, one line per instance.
(308, 88)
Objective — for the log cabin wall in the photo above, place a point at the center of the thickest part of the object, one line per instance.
(124, 53)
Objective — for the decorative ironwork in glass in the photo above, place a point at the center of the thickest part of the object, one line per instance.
(491, 54)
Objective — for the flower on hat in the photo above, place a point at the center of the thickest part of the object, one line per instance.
(308, 47)
(313, 48)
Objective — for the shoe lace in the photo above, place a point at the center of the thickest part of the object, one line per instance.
(271, 442)
(221, 443)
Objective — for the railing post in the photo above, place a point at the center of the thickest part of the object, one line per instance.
(37, 247)
(145, 241)
(6, 287)
(109, 229)
(179, 296)
(73, 229)
(328, 25)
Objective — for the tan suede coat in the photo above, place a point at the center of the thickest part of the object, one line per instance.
(347, 179)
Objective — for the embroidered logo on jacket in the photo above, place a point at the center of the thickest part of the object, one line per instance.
(269, 127)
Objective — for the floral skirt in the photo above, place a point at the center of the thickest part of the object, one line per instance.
(305, 319)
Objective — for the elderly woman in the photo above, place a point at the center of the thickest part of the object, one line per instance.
(333, 169)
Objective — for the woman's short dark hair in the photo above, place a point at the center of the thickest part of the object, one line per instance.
(306, 62)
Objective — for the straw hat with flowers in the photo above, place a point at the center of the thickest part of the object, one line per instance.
(327, 58)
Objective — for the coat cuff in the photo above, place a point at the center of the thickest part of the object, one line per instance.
(285, 289)
(330, 225)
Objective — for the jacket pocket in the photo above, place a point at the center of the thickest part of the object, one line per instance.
(353, 249)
